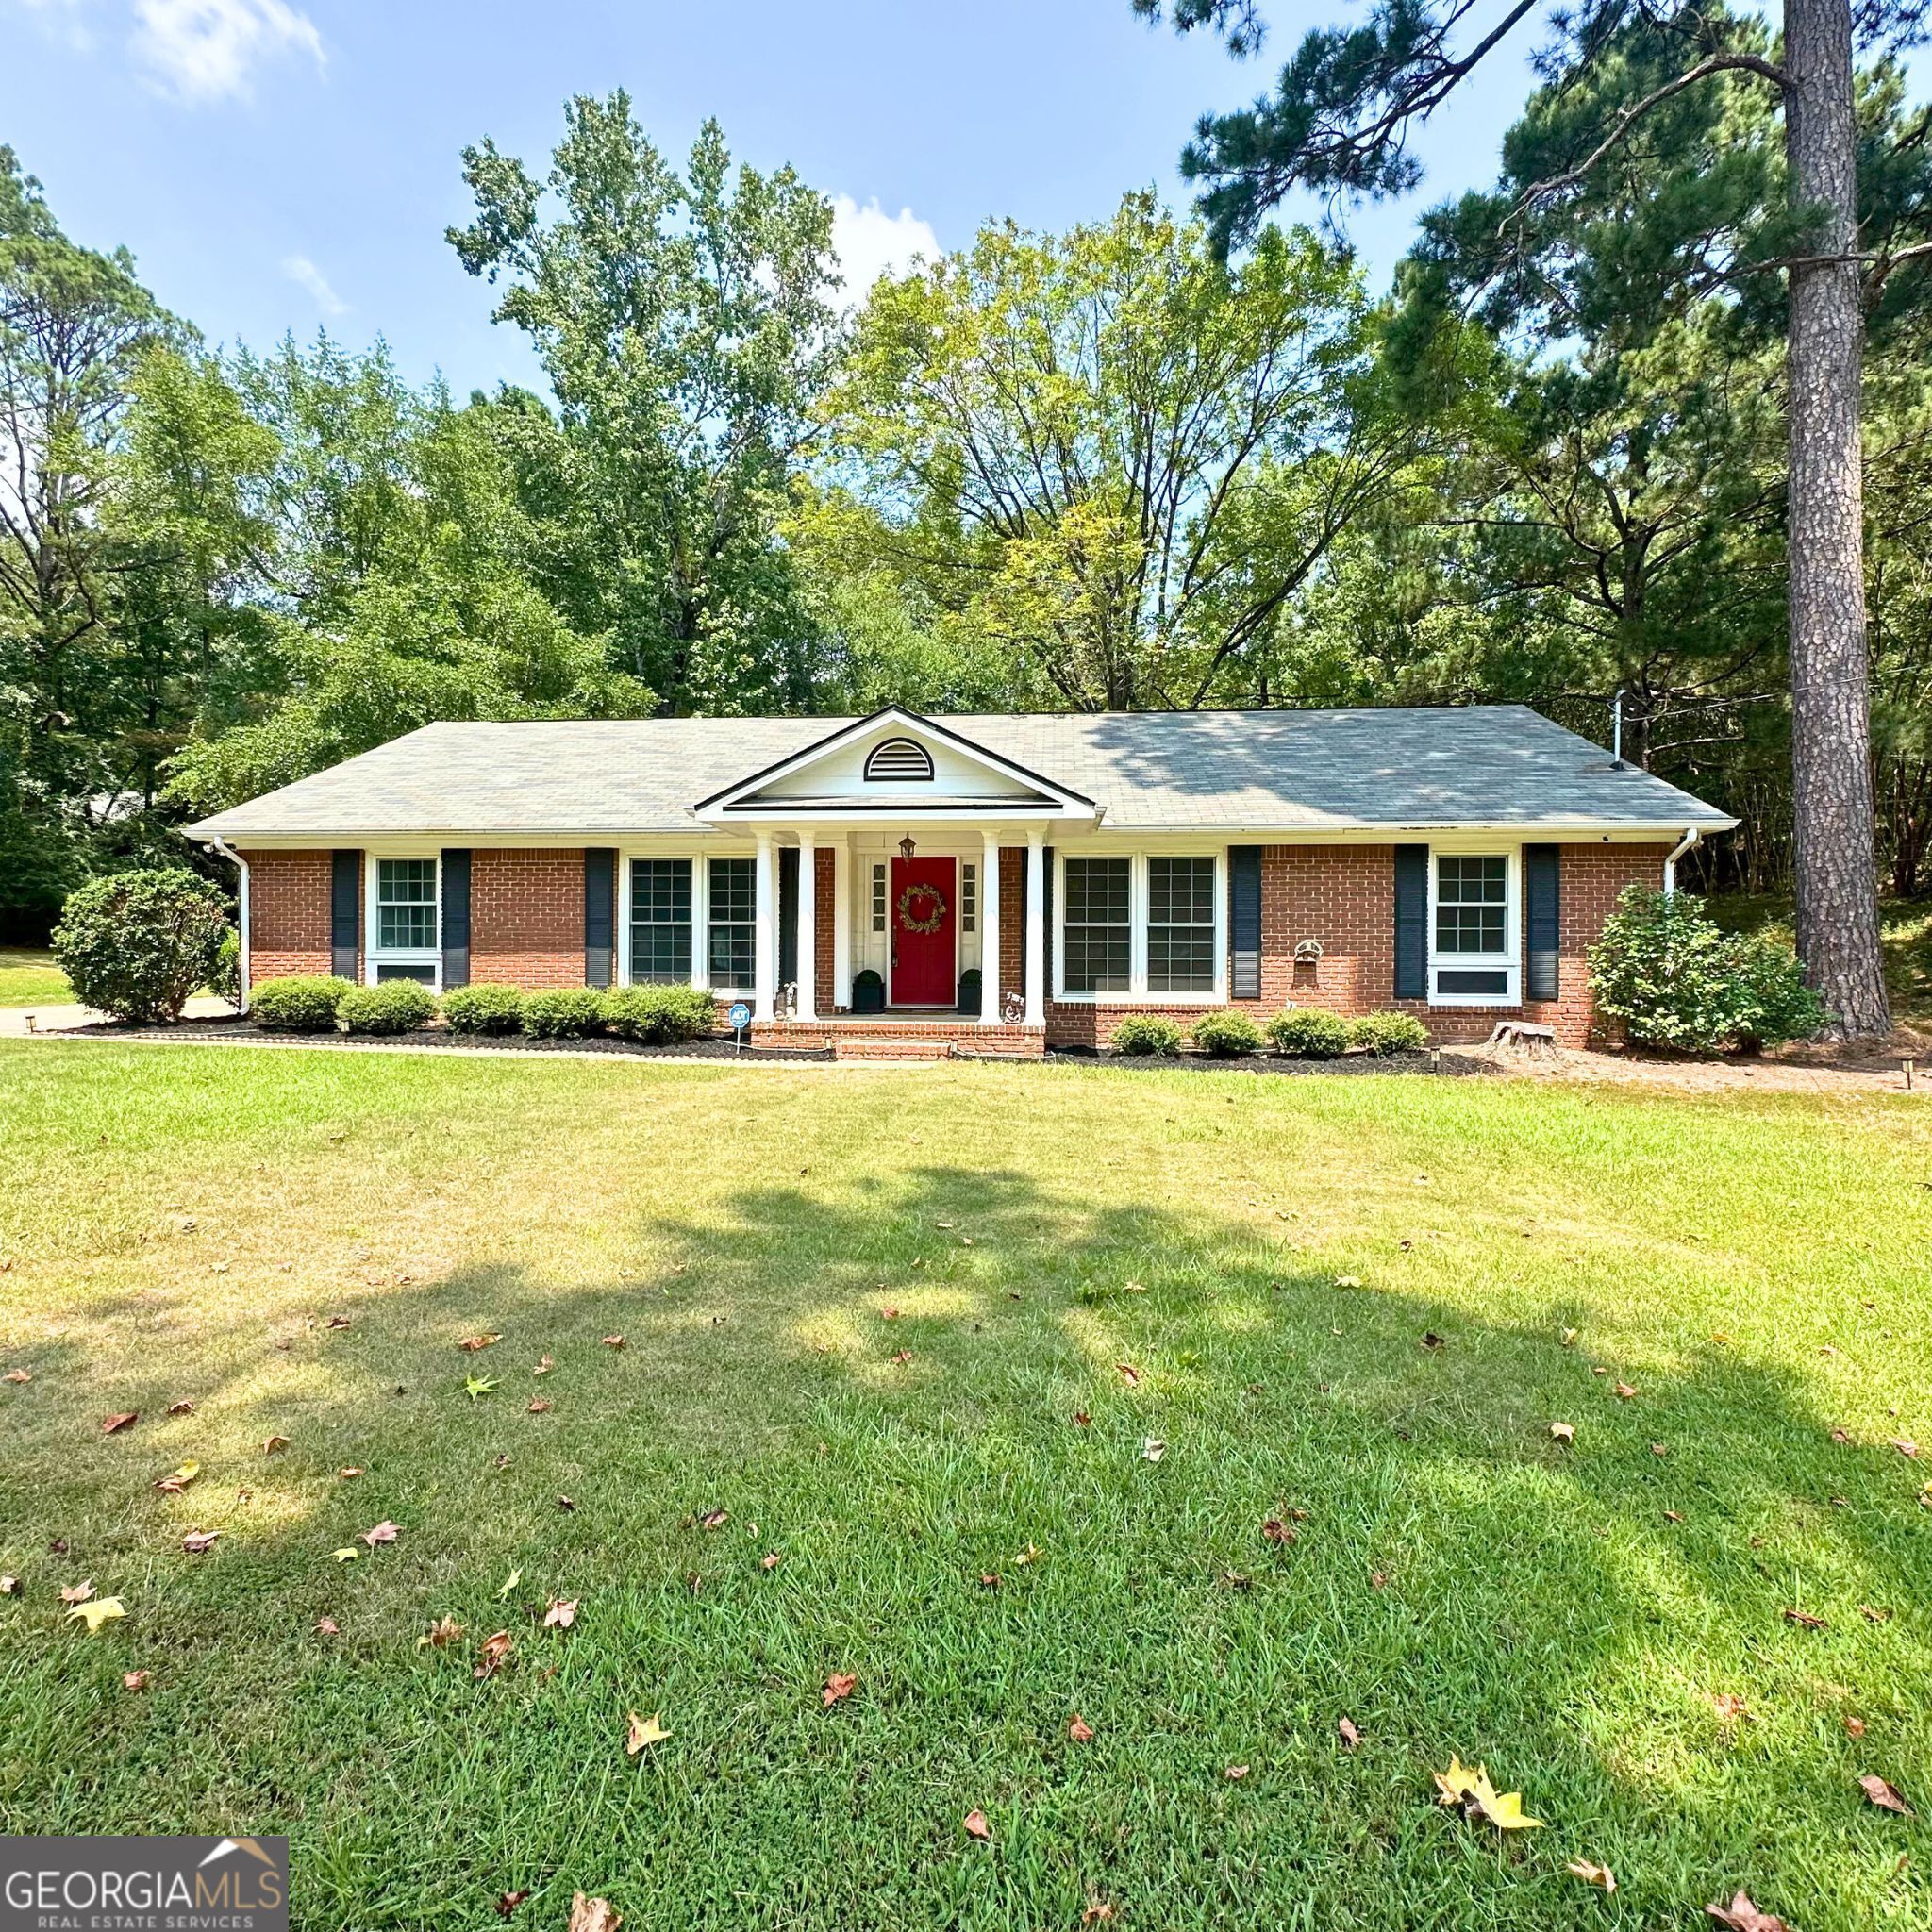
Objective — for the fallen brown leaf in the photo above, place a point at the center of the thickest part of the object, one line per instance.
(714, 1519)
(840, 1684)
(349, 1473)
(78, 1593)
(1624, 1392)
(1234, 1772)
(491, 1658)
(561, 1614)
(1082, 1420)
(613, 1341)
(20, 1375)
(471, 1343)
(1564, 1432)
(197, 1541)
(1729, 1707)
(10, 1586)
(1080, 1730)
(770, 1560)
(538, 1406)
(180, 1408)
(135, 1680)
(976, 1826)
(544, 1367)
(1350, 1736)
(442, 1633)
(1099, 1914)
(1885, 1795)
(904, 1357)
(1854, 1726)
(384, 1532)
(1805, 1620)
(1741, 1915)
(1593, 1874)
(327, 1626)
(593, 1915)
(115, 1423)
(566, 1504)
(1277, 1531)
(1129, 1374)
(643, 1732)
(275, 1445)
(507, 1902)
(1905, 1446)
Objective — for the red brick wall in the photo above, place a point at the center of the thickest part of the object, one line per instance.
(289, 914)
(824, 900)
(1344, 895)
(1013, 920)
(527, 917)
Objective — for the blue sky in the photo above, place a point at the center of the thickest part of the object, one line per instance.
(281, 164)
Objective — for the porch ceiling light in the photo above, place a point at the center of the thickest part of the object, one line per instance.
(906, 848)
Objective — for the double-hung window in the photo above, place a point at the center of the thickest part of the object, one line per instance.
(1180, 925)
(1473, 928)
(732, 923)
(405, 921)
(660, 925)
(1097, 937)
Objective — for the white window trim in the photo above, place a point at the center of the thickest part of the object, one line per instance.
(1511, 959)
(375, 957)
(1136, 992)
(701, 863)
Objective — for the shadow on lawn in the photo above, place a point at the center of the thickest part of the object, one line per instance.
(1459, 1579)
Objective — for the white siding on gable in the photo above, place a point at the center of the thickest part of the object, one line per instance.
(840, 773)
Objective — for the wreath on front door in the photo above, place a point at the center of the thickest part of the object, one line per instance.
(936, 919)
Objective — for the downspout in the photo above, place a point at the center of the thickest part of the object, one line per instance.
(1692, 835)
(240, 865)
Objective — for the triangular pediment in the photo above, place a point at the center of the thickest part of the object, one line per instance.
(894, 762)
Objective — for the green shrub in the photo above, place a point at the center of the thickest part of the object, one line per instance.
(396, 1005)
(660, 1015)
(1675, 979)
(303, 1003)
(570, 1012)
(1380, 1033)
(136, 944)
(483, 1008)
(225, 977)
(1145, 1035)
(1225, 1035)
(1308, 1033)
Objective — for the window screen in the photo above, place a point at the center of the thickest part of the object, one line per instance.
(1097, 942)
(660, 921)
(1180, 925)
(1471, 904)
(734, 904)
(406, 905)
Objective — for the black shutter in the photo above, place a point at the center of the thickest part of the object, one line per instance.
(1046, 921)
(788, 915)
(1411, 921)
(600, 914)
(1542, 869)
(456, 918)
(344, 912)
(1244, 919)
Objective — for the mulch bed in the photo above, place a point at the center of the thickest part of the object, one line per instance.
(1445, 1062)
(236, 1032)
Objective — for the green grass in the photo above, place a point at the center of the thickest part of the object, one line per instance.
(29, 976)
(183, 1224)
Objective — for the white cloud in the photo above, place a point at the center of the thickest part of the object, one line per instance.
(868, 242)
(299, 268)
(202, 50)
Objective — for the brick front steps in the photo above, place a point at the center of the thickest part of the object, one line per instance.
(887, 1038)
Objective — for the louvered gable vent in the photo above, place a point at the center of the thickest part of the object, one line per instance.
(899, 758)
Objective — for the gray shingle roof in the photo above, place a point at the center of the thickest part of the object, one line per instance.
(1284, 771)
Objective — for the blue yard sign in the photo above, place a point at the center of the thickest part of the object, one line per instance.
(740, 1018)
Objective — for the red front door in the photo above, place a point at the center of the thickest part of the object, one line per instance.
(924, 912)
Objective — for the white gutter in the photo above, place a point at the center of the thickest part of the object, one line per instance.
(1692, 835)
(240, 865)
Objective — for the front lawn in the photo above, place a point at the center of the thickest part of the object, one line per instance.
(28, 976)
(918, 1334)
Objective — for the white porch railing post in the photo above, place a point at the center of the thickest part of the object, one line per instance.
(1036, 929)
(764, 950)
(989, 931)
(808, 926)
(841, 924)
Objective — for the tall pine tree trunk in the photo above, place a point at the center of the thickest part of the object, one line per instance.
(1835, 859)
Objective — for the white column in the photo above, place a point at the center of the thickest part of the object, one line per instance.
(808, 926)
(841, 924)
(1036, 929)
(764, 946)
(990, 932)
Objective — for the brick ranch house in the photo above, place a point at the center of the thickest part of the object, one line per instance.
(1006, 881)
